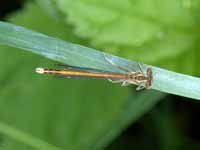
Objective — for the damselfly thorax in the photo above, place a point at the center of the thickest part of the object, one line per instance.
(139, 78)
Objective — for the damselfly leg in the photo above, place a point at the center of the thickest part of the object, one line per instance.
(133, 77)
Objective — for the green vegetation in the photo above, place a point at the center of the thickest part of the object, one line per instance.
(42, 112)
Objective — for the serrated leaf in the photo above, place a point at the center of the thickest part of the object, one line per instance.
(149, 31)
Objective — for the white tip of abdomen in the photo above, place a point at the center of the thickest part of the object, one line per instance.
(39, 70)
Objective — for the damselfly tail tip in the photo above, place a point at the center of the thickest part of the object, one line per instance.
(39, 70)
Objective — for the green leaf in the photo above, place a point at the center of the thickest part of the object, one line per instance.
(49, 7)
(67, 114)
(149, 31)
(77, 55)
(70, 114)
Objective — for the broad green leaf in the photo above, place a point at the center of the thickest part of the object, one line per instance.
(149, 31)
(64, 113)
(49, 7)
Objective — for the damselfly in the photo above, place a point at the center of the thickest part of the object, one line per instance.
(129, 77)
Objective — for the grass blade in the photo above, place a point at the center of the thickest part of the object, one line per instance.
(77, 55)
(25, 138)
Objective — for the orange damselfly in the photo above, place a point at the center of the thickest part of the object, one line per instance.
(129, 77)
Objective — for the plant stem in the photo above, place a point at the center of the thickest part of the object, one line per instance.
(25, 138)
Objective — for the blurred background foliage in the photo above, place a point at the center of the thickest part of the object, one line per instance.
(88, 114)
